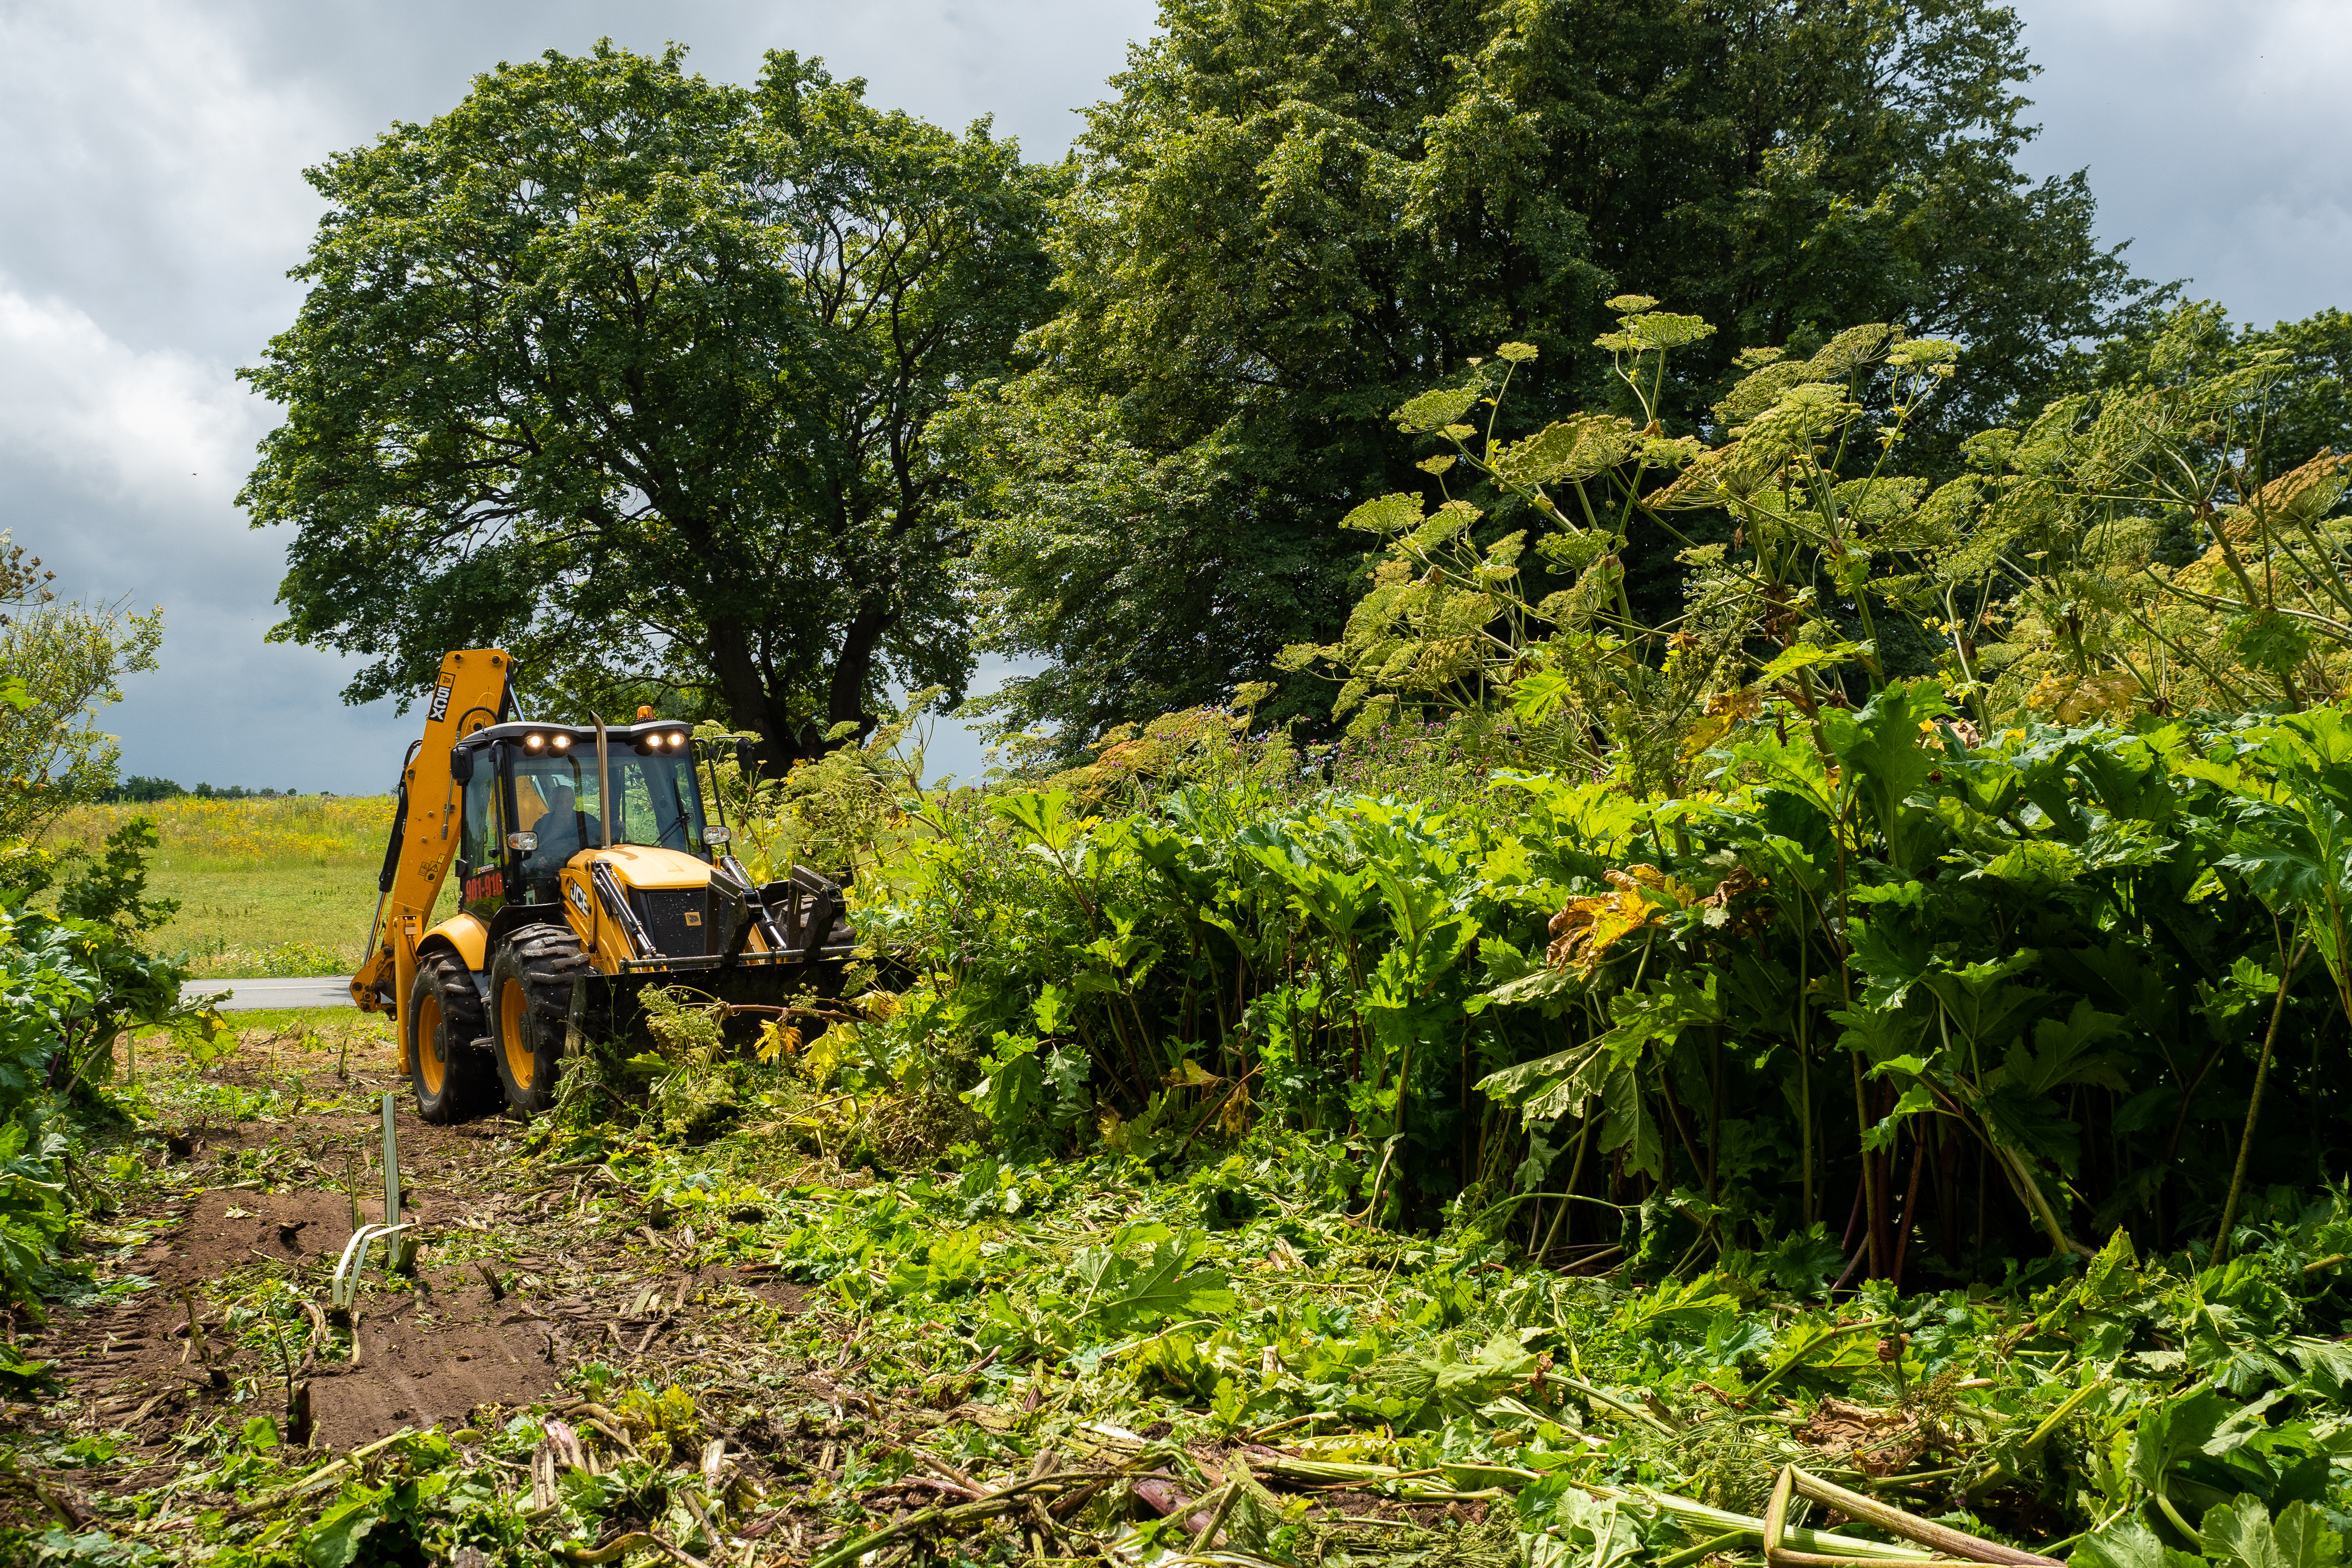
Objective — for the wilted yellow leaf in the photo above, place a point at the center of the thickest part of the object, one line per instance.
(1588, 927)
(776, 1039)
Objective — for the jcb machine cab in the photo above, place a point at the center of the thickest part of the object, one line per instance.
(587, 870)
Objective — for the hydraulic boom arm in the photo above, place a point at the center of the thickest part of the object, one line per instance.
(470, 694)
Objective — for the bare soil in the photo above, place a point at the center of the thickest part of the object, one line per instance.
(438, 1357)
(514, 1285)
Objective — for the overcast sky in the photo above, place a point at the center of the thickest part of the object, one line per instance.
(152, 199)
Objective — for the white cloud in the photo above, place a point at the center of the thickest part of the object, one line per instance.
(150, 175)
(131, 426)
(120, 467)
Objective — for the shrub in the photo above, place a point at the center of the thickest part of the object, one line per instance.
(71, 984)
(2000, 996)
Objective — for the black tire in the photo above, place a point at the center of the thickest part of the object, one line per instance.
(531, 1002)
(451, 1077)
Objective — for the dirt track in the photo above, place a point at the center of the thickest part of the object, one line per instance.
(524, 1272)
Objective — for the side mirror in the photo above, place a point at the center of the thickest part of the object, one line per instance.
(461, 766)
(746, 755)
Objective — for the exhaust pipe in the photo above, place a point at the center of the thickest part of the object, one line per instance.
(604, 789)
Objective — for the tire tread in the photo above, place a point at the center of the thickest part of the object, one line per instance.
(549, 959)
(472, 1077)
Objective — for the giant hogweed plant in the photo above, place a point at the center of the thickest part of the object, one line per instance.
(2136, 550)
(1873, 842)
(2126, 551)
(1896, 1001)
(1462, 618)
(2038, 954)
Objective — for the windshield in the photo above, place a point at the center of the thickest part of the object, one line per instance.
(556, 797)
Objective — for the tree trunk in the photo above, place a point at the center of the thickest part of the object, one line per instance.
(846, 699)
(746, 694)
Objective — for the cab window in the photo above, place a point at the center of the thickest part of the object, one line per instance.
(555, 800)
(479, 839)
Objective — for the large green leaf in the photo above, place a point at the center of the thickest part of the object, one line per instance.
(2174, 1431)
(1630, 1126)
(1881, 744)
(334, 1541)
(2065, 1051)
(2128, 1542)
(1043, 815)
(2241, 1533)
(1553, 1086)
(1159, 1286)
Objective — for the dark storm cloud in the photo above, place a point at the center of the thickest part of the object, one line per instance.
(151, 200)
(2215, 132)
(150, 159)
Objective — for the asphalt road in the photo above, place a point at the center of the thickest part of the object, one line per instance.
(246, 996)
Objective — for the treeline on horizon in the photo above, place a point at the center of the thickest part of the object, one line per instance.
(140, 789)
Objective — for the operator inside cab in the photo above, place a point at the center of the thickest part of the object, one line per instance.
(563, 830)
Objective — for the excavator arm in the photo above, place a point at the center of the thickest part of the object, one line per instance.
(471, 692)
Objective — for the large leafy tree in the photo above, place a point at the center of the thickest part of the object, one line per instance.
(636, 373)
(1296, 214)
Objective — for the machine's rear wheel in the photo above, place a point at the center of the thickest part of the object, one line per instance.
(531, 998)
(452, 1080)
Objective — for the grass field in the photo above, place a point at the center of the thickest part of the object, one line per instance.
(279, 887)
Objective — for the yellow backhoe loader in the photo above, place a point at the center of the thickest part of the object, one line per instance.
(587, 870)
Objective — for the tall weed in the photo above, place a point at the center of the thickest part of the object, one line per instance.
(1928, 1002)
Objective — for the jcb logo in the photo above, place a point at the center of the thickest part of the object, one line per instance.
(579, 897)
(440, 708)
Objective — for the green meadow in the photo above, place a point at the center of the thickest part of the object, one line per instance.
(273, 887)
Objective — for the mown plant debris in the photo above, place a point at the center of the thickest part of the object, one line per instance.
(794, 1362)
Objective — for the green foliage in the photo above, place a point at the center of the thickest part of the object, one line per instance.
(1127, 1289)
(66, 661)
(2043, 971)
(2308, 399)
(2169, 538)
(112, 889)
(71, 983)
(636, 373)
(1464, 617)
(2134, 1396)
(144, 790)
(1295, 214)
(841, 812)
(1232, 1331)
(2058, 579)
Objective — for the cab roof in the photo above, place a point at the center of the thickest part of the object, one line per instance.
(580, 734)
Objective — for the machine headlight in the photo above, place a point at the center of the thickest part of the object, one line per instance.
(533, 742)
(522, 842)
(715, 834)
(562, 742)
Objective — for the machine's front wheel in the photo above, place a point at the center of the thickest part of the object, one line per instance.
(531, 999)
(445, 1019)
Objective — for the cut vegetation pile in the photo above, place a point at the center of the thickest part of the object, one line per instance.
(620, 1349)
